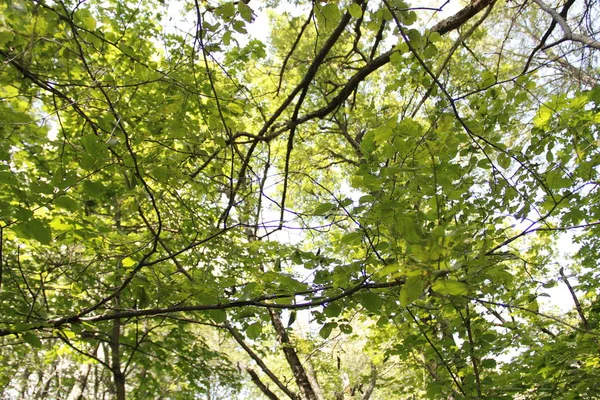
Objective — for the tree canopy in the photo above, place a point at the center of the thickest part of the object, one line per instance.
(371, 200)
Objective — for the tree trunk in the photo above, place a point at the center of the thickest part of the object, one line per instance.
(372, 382)
(118, 376)
(312, 378)
(45, 390)
(306, 390)
(78, 388)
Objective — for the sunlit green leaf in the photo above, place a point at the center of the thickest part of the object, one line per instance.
(454, 288)
(254, 330)
(411, 290)
(31, 339)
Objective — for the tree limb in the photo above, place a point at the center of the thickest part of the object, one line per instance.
(238, 338)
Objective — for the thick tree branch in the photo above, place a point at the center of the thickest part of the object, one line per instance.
(306, 390)
(263, 388)
(261, 302)
(458, 19)
(568, 32)
(240, 340)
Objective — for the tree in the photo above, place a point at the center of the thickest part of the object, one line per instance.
(400, 178)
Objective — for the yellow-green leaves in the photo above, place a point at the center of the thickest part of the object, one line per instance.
(328, 15)
(85, 19)
(67, 203)
(412, 289)
(450, 287)
(355, 10)
(5, 36)
(128, 262)
(36, 229)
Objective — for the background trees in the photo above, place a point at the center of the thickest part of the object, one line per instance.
(372, 203)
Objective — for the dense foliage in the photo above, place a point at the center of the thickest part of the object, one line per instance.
(372, 200)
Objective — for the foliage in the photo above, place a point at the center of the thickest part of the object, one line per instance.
(370, 203)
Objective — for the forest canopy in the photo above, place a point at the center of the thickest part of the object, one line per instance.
(302, 200)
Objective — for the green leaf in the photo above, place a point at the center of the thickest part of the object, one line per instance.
(371, 301)
(453, 288)
(6, 210)
(326, 330)
(352, 238)
(297, 257)
(355, 10)
(292, 318)
(128, 262)
(31, 339)
(85, 19)
(488, 363)
(489, 337)
(487, 79)
(67, 203)
(332, 310)
(141, 294)
(416, 39)
(387, 15)
(543, 117)
(410, 127)
(332, 13)
(434, 37)
(557, 180)
(218, 316)
(240, 27)
(254, 330)
(410, 18)
(249, 291)
(245, 11)
(411, 290)
(388, 270)
(23, 214)
(87, 162)
(35, 229)
(5, 36)
(93, 189)
(226, 10)
(8, 178)
(324, 209)
(366, 199)
(503, 160)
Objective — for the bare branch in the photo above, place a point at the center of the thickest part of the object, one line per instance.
(569, 35)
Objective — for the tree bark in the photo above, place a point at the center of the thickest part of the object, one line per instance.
(312, 378)
(263, 388)
(76, 392)
(372, 381)
(306, 390)
(118, 376)
(238, 338)
(43, 393)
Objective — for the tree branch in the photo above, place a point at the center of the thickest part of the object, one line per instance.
(238, 338)
(263, 388)
(569, 35)
(575, 299)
